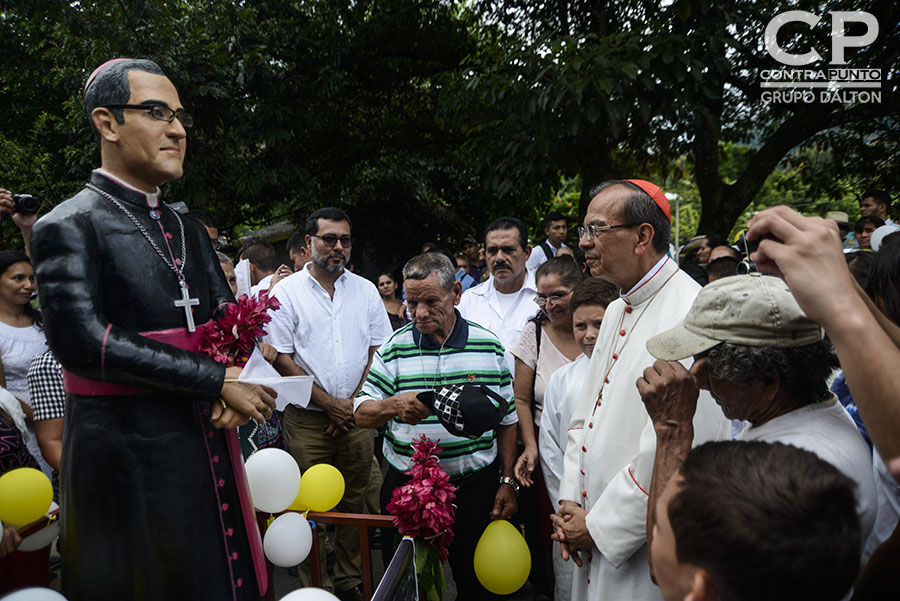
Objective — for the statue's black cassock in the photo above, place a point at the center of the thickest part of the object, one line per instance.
(149, 505)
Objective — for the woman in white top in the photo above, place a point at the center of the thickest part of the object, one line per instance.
(21, 335)
(547, 343)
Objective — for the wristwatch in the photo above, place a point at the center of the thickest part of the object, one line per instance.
(511, 482)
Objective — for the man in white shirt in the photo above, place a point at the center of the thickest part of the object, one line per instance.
(764, 361)
(611, 442)
(556, 230)
(505, 301)
(329, 325)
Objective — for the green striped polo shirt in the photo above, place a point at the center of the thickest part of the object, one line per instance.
(409, 362)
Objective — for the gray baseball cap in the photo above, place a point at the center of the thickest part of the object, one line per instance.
(752, 309)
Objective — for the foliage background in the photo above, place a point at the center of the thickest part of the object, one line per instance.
(426, 119)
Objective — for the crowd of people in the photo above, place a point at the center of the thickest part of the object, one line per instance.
(711, 422)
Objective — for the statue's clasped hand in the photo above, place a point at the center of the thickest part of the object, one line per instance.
(239, 403)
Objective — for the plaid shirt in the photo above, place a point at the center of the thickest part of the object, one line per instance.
(45, 386)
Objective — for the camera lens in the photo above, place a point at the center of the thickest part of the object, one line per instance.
(745, 267)
(25, 204)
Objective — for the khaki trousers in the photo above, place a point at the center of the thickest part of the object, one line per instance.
(304, 433)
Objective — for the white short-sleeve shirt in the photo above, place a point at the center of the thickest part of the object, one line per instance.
(505, 317)
(329, 338)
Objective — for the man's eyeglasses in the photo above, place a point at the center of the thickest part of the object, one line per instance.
(160, 112)
(595, 230)
(542, 300)
(330, 240)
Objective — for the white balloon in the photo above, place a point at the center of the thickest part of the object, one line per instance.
(43, 537)
(274, 480)
(309, 594)
(288, 540)
(34, 594)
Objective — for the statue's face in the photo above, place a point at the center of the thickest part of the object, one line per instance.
(150, 151)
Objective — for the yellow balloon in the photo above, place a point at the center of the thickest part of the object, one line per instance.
(502, 559)
(297, 505)
(321, 488)
(25, 495)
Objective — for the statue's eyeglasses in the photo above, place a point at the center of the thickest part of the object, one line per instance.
(160, 112)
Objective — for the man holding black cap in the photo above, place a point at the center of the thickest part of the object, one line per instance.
(609, 455)
(444, 360)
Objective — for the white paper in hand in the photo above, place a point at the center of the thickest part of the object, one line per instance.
(242, 274)
(292, 390)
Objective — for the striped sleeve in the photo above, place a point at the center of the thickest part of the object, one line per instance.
(380, 382)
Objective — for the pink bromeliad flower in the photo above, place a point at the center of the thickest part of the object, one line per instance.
(231, 339)
(423, 508)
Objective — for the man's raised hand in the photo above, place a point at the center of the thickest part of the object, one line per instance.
(806, 252)
(669, 393)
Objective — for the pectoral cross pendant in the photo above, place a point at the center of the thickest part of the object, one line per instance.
(187, 302)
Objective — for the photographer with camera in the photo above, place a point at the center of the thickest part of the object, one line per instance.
(23, 208)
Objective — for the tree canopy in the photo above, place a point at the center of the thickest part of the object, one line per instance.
(602, 89)
(426, 119)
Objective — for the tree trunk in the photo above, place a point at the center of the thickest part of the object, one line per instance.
(720, 210)
(592, 173)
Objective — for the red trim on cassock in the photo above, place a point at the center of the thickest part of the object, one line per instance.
(636, 482)
(648, 280)
(103, 352)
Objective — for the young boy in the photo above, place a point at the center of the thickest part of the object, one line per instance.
(588, 305)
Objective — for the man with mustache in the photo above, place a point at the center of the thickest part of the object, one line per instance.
(505, 302)
(329, 325)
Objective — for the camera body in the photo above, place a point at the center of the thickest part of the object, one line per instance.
(26, 204)
(750, 247)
